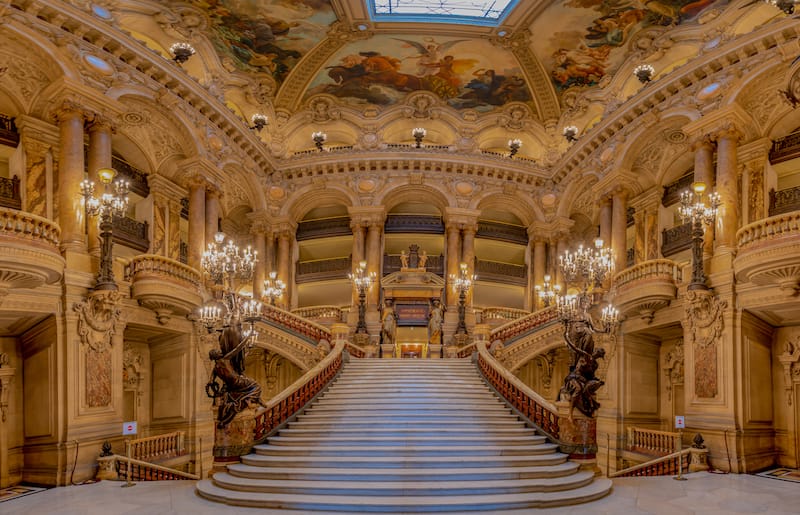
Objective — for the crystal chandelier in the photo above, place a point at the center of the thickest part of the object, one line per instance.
(548, 291)
(273, 288)
(587, 268)
(418, 133)
(462, 282)
(362, 280)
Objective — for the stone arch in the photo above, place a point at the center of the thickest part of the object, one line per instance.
(521, 207)
(390, 197)
(311, 196)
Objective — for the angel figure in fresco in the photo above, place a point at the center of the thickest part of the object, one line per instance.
(430, 53)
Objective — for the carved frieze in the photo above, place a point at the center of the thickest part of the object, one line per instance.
(703, 326)
(674, 367)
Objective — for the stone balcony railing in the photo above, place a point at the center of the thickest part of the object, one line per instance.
(496, 316)
(164, 285)
(29, 251)
(769, 252)
(646, 287)
(324, 315)
(285, 320)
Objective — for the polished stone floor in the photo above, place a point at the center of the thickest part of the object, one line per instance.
(702, 493)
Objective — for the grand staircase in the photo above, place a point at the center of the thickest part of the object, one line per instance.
(405, 436)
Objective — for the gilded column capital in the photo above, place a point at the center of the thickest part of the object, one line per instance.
(69, 110)
(367, 216)
(161, 186)
(283, 228)
(260, 222)
(100, 122)
(464, 219)
(701, 141)
(731, 120)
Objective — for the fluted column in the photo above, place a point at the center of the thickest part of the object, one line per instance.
(197, 221)
(283, 266)
(619, 227)
(453, 234)
(727, 188)
(704, 172)
(605, 220)
(212, 213)
(70, 174)
(100, 132)
(374, 255)
(539, 264)
(468, 256)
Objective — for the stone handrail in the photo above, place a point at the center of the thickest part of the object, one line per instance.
(296, 324)
(144, 471)
(282, 407)
(530, 404)
(516, 328)
(650, 441)
(652, 269)
(777, 226)
(319, 312)
(355, 350)
(19, 224)
(503, 313)
(162, 266)
(466, 350)
(158, 446)
(663, 466)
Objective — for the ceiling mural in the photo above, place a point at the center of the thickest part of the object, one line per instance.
(266, 35)
(591, 37)
(466, 73)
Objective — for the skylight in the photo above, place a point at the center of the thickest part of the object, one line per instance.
(472, 12)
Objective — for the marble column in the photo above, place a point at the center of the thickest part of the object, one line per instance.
(728, 188)
(100, 132)
(704, 172)
(619, 228)
(356, 256)
(70, 174)
(453, 235)
(468, 256)
(212, 214)
(283, 268)
(561, 249)
(197, 222)
(640, 238)
(174, 230)
(605, 220)
(260, 271)
(374, 255)
(539, 264)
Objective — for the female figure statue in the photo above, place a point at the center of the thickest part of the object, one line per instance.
(435, 320)
(388, 323)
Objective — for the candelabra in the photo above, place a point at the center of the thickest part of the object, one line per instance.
(548, 291)
(586, 269)
(514, 146)
(181, 52)
(112, 202)
(462, 283)
(571, 133)
(259, 121)
(694, 209)
(273, 288)
(419, 134)
(644, 72)
(319, 138)
(362, 280)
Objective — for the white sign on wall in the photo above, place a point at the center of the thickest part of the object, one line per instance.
(129, 428)
(679, 422)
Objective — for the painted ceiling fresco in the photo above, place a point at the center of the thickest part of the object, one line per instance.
(466, 73)
(267, 36)
(591, 37)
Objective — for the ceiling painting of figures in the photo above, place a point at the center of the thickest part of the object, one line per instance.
(581, 41)
(268, 36)
(466, 73)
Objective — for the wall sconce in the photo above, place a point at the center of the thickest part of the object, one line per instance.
(419, 134)
(571, 133)
(644, 72)
(181, 52)
(514, 146)
(259, 121)
(319, 138)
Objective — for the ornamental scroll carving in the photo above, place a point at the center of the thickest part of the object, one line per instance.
(703, 327)
(790, 360)
(97, 318)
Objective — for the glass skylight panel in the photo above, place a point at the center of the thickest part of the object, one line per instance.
(475, 12)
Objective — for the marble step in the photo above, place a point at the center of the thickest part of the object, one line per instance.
(404, 462)
(477, 486)
(415, 440)
(445, 431)
(411, 504)
(404, 474)
(401, 411)
(480, 449)
(426, 424)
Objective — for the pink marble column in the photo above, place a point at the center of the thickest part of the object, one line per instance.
(374, 257)
(357, 255)
(260, 271)
(539, 264)
(100, 132)
(619, 228)
(453, 235)
(704, 172)
(555, 269)
(468, 256)
(197, 222)
(285, 238)
(212, 214)
(605, 220)
(728, 189)
(70, 174)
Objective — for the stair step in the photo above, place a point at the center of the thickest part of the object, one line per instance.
(415, 440)
(393, 462)
(443, 432)
(388, 423)
(405, 450)
(414, 504)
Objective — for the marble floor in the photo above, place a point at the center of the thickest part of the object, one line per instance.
(702, 493)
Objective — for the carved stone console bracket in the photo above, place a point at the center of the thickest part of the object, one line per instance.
(97, 318)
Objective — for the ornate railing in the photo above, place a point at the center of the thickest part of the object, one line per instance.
(391, 264)
(417, 224)
(504, 155)
(8, 131)
(324, 228)
(329, 312)
(143, 471)
(323, 269)
(630, 257)
(502, 232)
(501, 313)
(501, 272)
(183, 252)
(513, 330)
(355, 350)
(466, 351)
(676, 239)
(135, 177)
(540, 412)
(162, 266)
(158, 447)
(131, 233)
(664, 466)
(785, 149)
(314, 151)
(185, 208)
(306, 329)
(9, 193)
(27, 226)
(652, 269)
(297, 395)
(784, 201)
(650, 441)
(769, 228)
(673, 190)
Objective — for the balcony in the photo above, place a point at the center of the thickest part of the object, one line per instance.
(496, 316)
(784, 201)
(504, 273)
(769, 252)
(9, 193)
(676, 239)
(131, 233)
(646, 287)
(164, 285)
(29, 253)
(323, 315)
(322, 270)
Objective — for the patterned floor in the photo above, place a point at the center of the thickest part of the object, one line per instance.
(783, 474)
(14, 492)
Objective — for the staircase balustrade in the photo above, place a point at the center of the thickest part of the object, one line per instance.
(307, 329)
(139, 470)
(328, 312)
(650, 441)
(159, 446)
(501, 313)
(356, 351)
(513, 330)
(286, 404)
(664, 466)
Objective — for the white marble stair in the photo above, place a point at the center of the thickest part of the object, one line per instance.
(405, 436)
